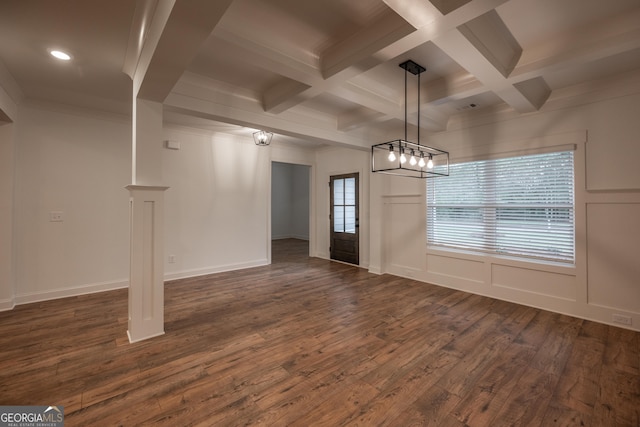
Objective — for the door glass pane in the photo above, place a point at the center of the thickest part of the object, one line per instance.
(338, 192)
(350, 219)
(338, 219)
(350, 191)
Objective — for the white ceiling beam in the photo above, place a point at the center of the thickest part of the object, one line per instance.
(284, 95)
(245, 47)
(355, 118)
(364, 96)
(436, 92)
(536, 91)
(491, 37)
(452, 88)
(486, 48)
(337, 64)
(176, 32)
(611, 37)
(386, 109)
(430, 22)
(141, 27)
(361, 51)
(194, 96)
(387, 29)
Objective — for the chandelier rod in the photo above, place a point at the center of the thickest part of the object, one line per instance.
(405, 104)
(418, 108)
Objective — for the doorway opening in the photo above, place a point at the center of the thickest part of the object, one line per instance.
(290, 206)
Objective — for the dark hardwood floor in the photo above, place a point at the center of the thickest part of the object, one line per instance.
(308, 342)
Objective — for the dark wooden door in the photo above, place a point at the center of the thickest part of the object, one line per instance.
(345, 227)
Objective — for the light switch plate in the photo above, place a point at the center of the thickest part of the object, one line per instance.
(56, 216)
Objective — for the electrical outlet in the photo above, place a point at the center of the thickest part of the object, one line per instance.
(172, 259)
(621, 319)
(56, 216)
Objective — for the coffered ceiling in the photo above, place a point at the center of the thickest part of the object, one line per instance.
(320, 72)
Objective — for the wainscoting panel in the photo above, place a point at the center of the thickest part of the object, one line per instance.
(534, 281)
(613, 257)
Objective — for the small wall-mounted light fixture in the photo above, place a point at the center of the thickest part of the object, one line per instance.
(262, 137)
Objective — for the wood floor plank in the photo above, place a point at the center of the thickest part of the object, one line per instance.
(563, 416)
(528, 400)
(306, 341)
(494, 387)
(556, 348)
(339, 407)
(433, 408)
(579, 387)
(398, 395)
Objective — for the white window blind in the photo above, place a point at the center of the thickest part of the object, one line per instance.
(521, 206)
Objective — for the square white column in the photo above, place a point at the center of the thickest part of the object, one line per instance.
(146, 277)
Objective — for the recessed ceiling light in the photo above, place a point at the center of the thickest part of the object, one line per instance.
(60, 55)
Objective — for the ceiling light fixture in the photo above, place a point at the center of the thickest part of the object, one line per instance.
(262, 137)
(58, 54)
(383, 158)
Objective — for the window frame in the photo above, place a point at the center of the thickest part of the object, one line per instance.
(489, 209)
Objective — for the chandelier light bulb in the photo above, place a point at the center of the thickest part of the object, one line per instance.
(392, 155)
(403, 158)
(412, 160)
(430, 162)
(421, 162)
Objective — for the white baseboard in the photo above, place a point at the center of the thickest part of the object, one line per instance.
(7, 304)
(70, 292)
(212, 270)
(375, 270)
(31, 297)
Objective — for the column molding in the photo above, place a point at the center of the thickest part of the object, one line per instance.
(146, 274)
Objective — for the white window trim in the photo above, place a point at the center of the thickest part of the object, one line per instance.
(570, 141)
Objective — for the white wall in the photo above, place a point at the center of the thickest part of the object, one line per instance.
(604, 280)
(79, 162)
(216, 214)
(7, 147)
(10, 96)
(289, 201)
(300, 202)
(76, 163)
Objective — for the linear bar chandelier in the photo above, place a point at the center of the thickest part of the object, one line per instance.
(403, 157)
